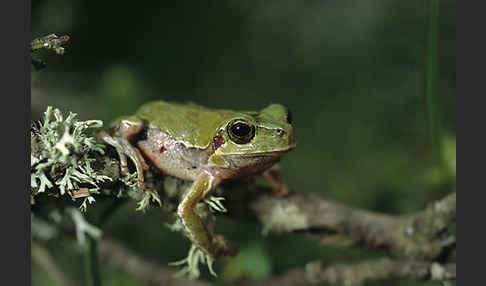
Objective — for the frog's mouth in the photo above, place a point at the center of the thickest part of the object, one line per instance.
(275, 153)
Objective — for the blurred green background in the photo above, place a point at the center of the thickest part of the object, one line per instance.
(354, 74)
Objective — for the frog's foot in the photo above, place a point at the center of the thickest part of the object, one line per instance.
(190, 264)
(124, 150)
(272, 177)
(222, 246)
(197, 256)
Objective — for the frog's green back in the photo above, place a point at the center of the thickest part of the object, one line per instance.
(192, 124)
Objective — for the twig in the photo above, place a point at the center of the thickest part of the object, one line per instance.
(49, 42)
(91, 262)
(44, 259)
(421, 236)
(116, 254)
(109, 251)
(358, 274)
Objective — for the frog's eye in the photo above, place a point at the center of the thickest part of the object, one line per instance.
(240, 132)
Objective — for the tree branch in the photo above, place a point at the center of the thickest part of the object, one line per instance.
(116, 254)
(358, 274)
(44, 259)
(49, 42)
(423, 236)
(110, 251)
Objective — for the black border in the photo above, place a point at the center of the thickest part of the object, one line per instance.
(470, 60)
(15, 23)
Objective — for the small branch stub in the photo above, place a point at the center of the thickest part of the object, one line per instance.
(49, 42)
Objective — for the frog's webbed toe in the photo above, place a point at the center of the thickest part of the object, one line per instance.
(124, 150)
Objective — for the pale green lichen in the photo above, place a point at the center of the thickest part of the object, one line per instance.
(84, 205)
(148, 196)
(42, 230)
(83, 227)
(65, 145)
(281, 217)
(130, 180)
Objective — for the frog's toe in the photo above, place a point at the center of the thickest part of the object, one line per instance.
(138, 159)
(125, 171)
(141, 185)
(222, 246)
(126, 150)
(280, 191)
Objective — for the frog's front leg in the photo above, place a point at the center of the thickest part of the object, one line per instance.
(272, 177)
(198, 233)
(124, 149)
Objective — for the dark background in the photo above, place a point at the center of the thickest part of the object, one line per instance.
(352, 72)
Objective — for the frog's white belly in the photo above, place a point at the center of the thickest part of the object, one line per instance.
(172, 157)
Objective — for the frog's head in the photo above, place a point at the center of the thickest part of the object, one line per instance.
(265, 133)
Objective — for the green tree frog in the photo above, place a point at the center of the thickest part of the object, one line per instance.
(205, 146)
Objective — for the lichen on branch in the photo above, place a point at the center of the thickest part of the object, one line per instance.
(62, 156)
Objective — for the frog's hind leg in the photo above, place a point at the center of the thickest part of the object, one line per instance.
(272, 177)
(124, 149)
(194, 227)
